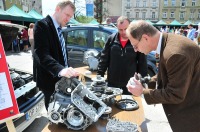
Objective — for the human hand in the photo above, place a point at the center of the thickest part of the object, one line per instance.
(135, 87)
(68, 72)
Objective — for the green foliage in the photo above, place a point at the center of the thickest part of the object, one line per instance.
(84, 19)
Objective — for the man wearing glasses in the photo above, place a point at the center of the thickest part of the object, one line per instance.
(178, 80)
(119, 58)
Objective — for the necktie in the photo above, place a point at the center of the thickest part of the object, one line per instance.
(62, 42)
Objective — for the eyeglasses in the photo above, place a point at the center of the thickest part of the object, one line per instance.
(135, 47)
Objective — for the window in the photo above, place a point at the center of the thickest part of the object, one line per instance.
(128, 14)
(144, 3)
(153, 15)
(77, 37)
(165, 2)
(191, 15)
(193, 2)
(182, 15)
(199, 15)
(143, 15)
(99, 38)
(172, 15)
(173, 2)
(137, 3)
(128, 6)
(137, 15)
(154, 3)
(164, 14)
(183, 3)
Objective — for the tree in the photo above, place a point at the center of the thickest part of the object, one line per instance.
(79, 8)
(84, 19)
(98, 10)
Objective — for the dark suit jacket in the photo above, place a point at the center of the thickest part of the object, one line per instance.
(48, 57)
(178, 83)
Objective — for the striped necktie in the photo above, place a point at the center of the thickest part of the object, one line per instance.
(62, 42)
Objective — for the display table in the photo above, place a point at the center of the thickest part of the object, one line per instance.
(82, 73)
(136, 116)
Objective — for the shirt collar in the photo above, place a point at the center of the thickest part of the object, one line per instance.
(159, 44)
(55, 23)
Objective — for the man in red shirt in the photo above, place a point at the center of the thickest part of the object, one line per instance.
(120, 59)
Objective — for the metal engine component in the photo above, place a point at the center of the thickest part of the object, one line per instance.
(75, 119)
(74, 105)
(144, 80)
(106, 114)
(115, 125)
(19, 78)
(127, 104)
(102, 91)
(90, 58)
(88, 102)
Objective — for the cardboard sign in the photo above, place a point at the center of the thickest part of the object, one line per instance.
(8, 103)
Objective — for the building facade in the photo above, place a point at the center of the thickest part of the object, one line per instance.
(133, 9)
(2, 5)
(180, 10)
(25, 5)
(112, 9)
(141, 9)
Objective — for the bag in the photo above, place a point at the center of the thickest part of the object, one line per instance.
(195, 34)
(21, 41)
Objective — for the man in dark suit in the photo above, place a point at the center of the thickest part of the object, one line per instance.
(178, 80)
(50, 57)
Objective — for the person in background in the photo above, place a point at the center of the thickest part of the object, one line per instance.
(166, 29)
(15, 45)
(178, 79)
(197, 35)
(119, 58)
(181, 32)
(108, 21)
(50, 61)
(177, 31)
(31, 38)
(24, 38)
(191, 32)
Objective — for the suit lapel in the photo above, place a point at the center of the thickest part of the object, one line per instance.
(51, 25)
(163, 45)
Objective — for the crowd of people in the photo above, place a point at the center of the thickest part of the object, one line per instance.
(24, 40)
(190, 32)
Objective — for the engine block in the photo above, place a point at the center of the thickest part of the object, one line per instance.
(77, 105)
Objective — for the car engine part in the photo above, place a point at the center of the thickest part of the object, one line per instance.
(101, 90)
(74, 105)
(127, 102)
(107, 113)
(144, 80)
(90, 58)
(115, 125)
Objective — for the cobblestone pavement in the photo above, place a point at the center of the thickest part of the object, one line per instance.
(154, 115)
